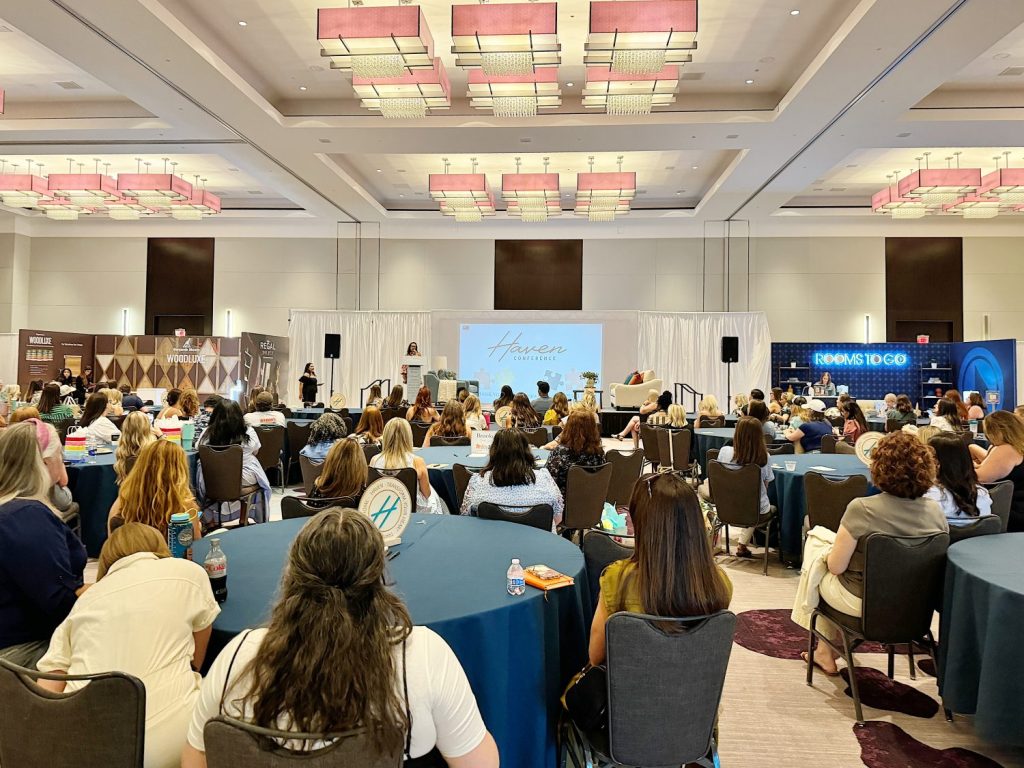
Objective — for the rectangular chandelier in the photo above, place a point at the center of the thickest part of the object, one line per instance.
(377, 41)
(603, 196)
(975, 207)
(515, 95)
(641, 37)
(940, 186)
(23, 190)
(506, 39)
(413, 94)
(83, 189)
(886, 201)
(200, 204)
(154, 190)
(465, 196)
(531, 196)
(1005, 183)
(620, 94)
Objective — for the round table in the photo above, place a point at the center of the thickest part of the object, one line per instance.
(787, 492)
(712, 437)
(93, 485)
(518, 652)
(981, 626)
(439, 467)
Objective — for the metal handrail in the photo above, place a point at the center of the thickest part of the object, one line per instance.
(681, 390)
(383, 389)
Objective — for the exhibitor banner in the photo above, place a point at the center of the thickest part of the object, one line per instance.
(264, 364)
(207, 364)
(43, 354)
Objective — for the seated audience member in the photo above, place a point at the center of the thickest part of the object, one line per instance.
(65, 378)
(660, 416)
(748, 448)
(707, 411)
(396, 399)
(589, 402)
(451, 425)
(42, 558)
(953, 396)
(888, 404)
(797, 412)
(130, 401)
(344, 472)
(1019, 411)
(902, 413)
(558, 411)
(188, 404)
(521, 414)
(370, 426)
(1004, 460)
(504, 397)
(227, 427)
(854, 423)
(171, 409)
(956, 486)
(157, 487)
(113, 400)
(578, 445)
(51, 409)
(741, 401)
(759, 410)
(374, 669)
(671, 572)
(136, 434)
(396, 453)
(842, 400)
(264, 415)
(202, 419)
(462, 394)
(904, 471)
(376, 399)
(53, 457)
(756, 395)
(946, 417)
(976, 409)
(677, 417)
(510, 479)
(95, 421)
(83, 384)
(542, 403)
(776, 405)
(474, 414)
(825, 386)
(324, 433)
(35, 391)
(149, 615)
(423, 409)
(647, 407)
(925, 434)
(249, 403)
(24, 413)
(812, 428)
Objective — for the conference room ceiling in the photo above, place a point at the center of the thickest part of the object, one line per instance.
(866, 83)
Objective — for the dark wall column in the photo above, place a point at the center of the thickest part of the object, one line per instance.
(179, 285)
(924, 288)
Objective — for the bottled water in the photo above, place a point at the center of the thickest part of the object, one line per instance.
(516, 579)
(216, 565)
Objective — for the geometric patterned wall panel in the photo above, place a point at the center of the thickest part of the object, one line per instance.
(207, 364)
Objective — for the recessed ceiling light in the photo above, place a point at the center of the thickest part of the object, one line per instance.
(569, 85)
(379, 170)
(693, 167)
(243, 23)
(795, 12)
(401, 195)
(302, 88)
(750, 82)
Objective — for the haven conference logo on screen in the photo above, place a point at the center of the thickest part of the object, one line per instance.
(862, 359)
(520, 355)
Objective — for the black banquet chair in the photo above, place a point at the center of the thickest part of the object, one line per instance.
(293, 507)
(599, 551)
(540, 516)
(626, 466)
(737, 498)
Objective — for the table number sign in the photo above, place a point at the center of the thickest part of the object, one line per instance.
(388, 504)
(865, 445)
(480, 443)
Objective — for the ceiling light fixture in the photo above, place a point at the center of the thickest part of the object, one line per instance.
(377, 41)
(641, 37)
(619, 94)
(794, 12)
(531, 196)
(464, 196)
(603, 196)
(750, 82)
(303, 88)
(243, 23)
(515, 95)
(154, 190)
(412, 95)
(22, 190)
(507, 38)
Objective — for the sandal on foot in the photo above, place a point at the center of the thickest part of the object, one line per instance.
(803, 655)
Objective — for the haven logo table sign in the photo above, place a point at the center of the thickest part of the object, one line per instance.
(388, 504)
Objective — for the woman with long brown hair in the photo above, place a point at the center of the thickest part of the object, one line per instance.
(188, 404)
(95, 422)
(579, 445)
(975, 407)
(344, 472)
(558, 411)
(958, 401)
(521, 414)
(51, 409)
(748, 448)
(423, 409)
(452, 423)
(340, 651)
(397, 397)
(370, 426)
(671, 572)
(156, 488)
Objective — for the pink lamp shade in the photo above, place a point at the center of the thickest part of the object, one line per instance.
(205, 202)
(83, 188)
(485, 92)
(154, 190)
(375, 40)
(1005, 183)
(23, 190)
(603, 87)
(940, 182)
(531, 193)
(430, 87)
(506, 38)
(604, 193)
(662, 31)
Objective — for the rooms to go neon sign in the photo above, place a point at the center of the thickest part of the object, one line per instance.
(862, 359)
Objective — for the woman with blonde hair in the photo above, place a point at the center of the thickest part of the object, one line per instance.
(741, 400)
(1004, 460)
(707, 411)
(677, 417)
(25, 413)
(649, 406)
(370, 426)
(344, 472)
(474, 413)
(156, 488)
(396, 453)
(149, 615)
(451, 425)
(136, 434)
(43, 560)
(114, 398)
(558, 411)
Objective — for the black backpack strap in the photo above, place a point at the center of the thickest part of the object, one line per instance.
(231, 665)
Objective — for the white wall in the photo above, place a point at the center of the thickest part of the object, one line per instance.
(994, 286)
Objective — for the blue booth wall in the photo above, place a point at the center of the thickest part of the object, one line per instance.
(987, 367)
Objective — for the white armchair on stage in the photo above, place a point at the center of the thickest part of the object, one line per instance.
(633, 395)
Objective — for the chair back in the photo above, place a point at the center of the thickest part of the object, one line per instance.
(271, 445)
(419, 432)
(893, 425)
(711, 454)
(298, 438)
(626, 468)
(370, 450)
(387, 414)
(664, 438)
(100, 725)
(1002, 500)
(231, 743)
(406, 475)
(737, 493)
(649, 437)
(649, 723)
(222, 471)
(585, 491)
(828, 498)
(710, 422)
(540, 516)
(310, 472)
(285, 410)
(462, 474)
(844, 447)
(556, 431)
(902, 585)
(537, 437)
(599, 551)
(436, 441)
(785, 449)
(293, 506)
(828, 444)
(682, 440)
(982, 526)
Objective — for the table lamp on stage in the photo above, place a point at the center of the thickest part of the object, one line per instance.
(414, 377)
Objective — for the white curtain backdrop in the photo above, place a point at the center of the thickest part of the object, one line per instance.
(686, 347)
(9, 358)
(372, 344)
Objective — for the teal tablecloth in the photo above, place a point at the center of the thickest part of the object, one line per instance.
(982, 623)
(94, 486)
(518, 652)
(439, 467)
(711, 437)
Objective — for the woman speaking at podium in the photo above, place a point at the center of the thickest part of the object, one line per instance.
(309, 384)
(412, 350)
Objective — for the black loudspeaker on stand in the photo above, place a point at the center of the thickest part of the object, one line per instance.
(332, 351)
(730, 355)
